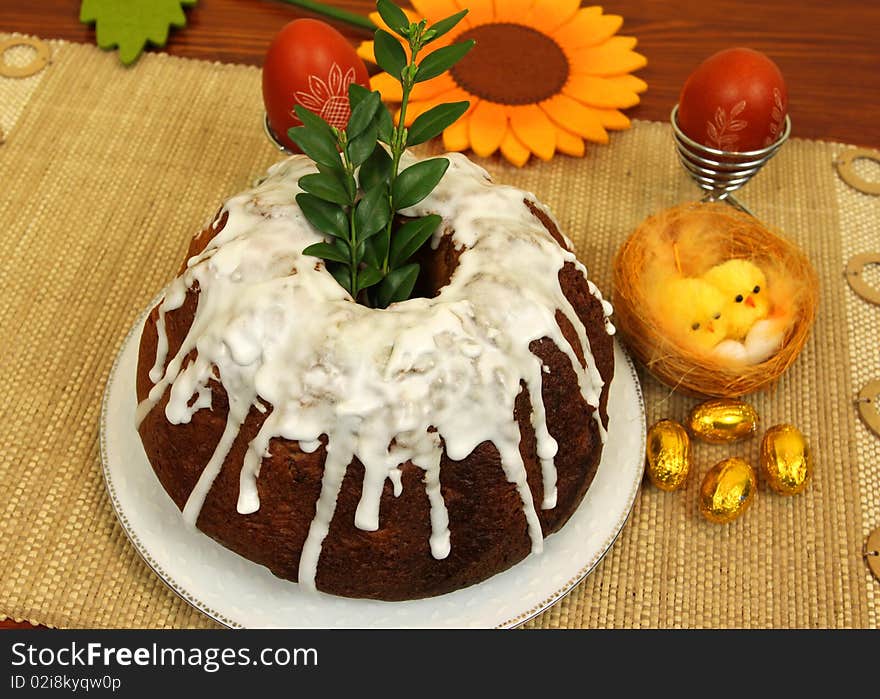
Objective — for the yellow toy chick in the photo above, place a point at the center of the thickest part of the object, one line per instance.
(743, 285)
(691, 312)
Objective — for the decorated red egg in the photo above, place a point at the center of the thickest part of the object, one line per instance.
(310, 64)
(735, 101)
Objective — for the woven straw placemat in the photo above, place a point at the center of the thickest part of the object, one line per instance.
(108, 171)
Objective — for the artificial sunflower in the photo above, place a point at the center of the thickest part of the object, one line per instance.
(544, 76)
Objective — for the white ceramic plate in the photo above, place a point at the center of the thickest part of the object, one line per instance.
(239, 593)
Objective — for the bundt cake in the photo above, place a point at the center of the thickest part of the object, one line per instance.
(389, 454)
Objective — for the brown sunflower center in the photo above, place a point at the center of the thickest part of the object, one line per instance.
(511, 64)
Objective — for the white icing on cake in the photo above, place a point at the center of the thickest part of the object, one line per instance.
(384, 386)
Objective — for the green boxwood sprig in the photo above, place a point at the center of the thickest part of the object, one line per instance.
(359, 187)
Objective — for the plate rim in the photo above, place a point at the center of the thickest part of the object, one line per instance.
(220, 618)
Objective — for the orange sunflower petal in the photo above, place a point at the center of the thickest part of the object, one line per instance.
(391, 90)
(434, 87)
(588, 28)
(455, 137)
(599, 92)
(613, 57)
(612, 119)
(487, 126)
(387, 86)
(367, 51)
(479, 11)
(513, 149)
(534, 128)
(517, 8)
(568, 143)
(575, 117)
(628, 82)
(435, 10)
(547, 15)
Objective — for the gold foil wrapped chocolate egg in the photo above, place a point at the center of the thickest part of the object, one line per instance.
(723, 420)
(785, 459)
(668, 455)
(727, 490)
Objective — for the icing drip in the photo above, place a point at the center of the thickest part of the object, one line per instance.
(386, 387)
(339, 455)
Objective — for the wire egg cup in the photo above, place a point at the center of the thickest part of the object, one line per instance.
(721, 172)
(272, 137)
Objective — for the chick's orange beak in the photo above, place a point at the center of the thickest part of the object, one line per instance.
(710, 328)
(750, 302)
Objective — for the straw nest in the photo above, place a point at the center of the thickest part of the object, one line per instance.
(688, 240)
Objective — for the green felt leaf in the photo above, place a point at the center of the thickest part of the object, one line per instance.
(129, 24)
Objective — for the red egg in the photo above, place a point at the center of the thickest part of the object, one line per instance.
(735, 101)
(311, 64)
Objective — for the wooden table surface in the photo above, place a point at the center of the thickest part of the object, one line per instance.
(829, 52)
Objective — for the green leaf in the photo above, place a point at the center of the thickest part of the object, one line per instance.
(417, 181)
(326, 217)
(342, 274)
(368, 277)
(394, 17)
(356, 94)
(326, 187)
(442, 60)
(376, 168)
(397, 285)
(389, 53)
(444, 25)
(313, 122)
(362, 114)
(373, 212)
(317, 146)
(386, 125)
(360, 148)
(410, 237)
(130, 25)
(432, 122)
(326, 252)
(345, 180)
(375, 247)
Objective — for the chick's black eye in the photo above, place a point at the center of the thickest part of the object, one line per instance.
(756, 290)
(716, 316)
(739, 298)
(695, 326)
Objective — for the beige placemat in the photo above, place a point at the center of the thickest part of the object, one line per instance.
(106, 172)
